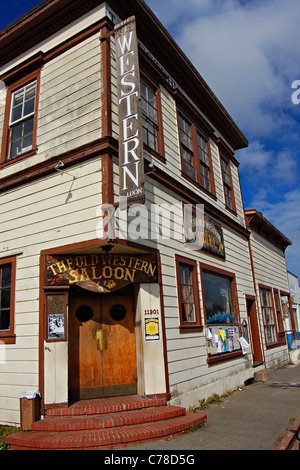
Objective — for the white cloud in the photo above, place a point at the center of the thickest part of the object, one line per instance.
(285, 216)
(248, 52)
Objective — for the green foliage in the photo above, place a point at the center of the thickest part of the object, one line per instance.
(6, 431)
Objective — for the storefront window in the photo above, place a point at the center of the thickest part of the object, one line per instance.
(219, 306)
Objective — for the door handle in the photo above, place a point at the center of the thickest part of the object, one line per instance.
(101, 337)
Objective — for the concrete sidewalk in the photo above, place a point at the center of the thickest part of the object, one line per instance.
(257, 417)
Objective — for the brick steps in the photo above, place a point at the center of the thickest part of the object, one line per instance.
(124, 418)
(104, 423)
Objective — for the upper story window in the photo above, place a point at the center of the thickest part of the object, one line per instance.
(227, 183)
(151, 117)
(195, 154)
(21, 124)
(20, 121)
(149, 114)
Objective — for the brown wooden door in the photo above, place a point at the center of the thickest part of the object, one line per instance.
(256, 347)
(102, 354)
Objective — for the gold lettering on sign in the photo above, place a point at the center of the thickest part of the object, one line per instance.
(94, 271)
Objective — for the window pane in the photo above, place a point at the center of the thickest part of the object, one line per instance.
(218, 302)
(29, 106)
(6, 276)
(16, 113)
(5, 298)
(4, 319)
(17, 105)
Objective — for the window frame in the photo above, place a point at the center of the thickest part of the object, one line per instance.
(153, 86)
(272, 325)
(227, 185)
(188, 326)
(196, 132)
(11, 89)
(8, 336)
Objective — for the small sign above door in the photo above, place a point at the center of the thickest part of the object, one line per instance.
(100, 273)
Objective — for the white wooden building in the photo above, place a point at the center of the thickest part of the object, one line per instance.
(86, 312)
(267, 248)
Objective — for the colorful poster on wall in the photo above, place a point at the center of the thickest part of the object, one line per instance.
(152, 329)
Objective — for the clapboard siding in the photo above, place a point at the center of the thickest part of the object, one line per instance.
(269, 263)
(70, 99)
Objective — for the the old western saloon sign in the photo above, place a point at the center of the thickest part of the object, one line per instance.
(100, 273)
(131, 164)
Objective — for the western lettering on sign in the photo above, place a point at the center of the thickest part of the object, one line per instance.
(131, 164)
(101, 273)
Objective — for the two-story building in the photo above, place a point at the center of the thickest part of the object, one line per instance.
(124, 256)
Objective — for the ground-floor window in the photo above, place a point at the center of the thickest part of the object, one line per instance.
(7, 299)
(268, 315)
(188, 294)
(219, 293)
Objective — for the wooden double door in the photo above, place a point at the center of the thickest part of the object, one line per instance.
(101, 346)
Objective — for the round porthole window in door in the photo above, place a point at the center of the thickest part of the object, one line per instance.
(84, 313)
(117, 312)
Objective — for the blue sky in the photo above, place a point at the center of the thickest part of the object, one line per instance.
(248, 53)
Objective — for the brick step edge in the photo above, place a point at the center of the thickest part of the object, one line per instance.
(124, 418)
(105, 406)
(104, 437)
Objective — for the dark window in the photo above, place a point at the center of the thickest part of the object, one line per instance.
(227, 183)
(7, 299)
(149, 115)
(195, 154)
(5, 296)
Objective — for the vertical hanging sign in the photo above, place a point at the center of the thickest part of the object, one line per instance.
(131, 164)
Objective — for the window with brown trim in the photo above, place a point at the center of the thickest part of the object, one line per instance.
(151, 117)
(7, 299)
(195, 154)
(20, 122)
(219, 296)
(227, 184)
(268, 315)
(188, 294)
